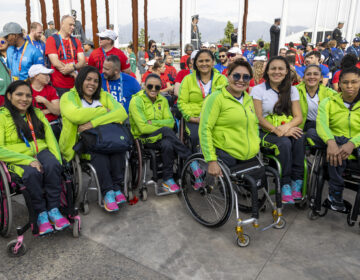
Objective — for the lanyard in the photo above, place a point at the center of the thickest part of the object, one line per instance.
(71, 47)
(202, 88)
(355, 51)
(121, 88)
(22, 55)
(32, 132)
(104, 53)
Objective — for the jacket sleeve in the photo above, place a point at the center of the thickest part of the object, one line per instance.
(117, 112)
(209, 115)
(184, 98)
(168, 119)
(77, 114)
(136, 110)
(322, 121)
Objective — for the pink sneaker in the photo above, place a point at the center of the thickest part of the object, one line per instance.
(110, 204)
(198, 184)
(58, 220)
(171, 186)
(195, 167)
(296, 187)
(120, 197)
(287, 195)
(44, 224)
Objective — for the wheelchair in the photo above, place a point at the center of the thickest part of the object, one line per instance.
(11, 185)
(244, 186)
(318, 176)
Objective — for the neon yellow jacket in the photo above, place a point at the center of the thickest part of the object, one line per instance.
(142, 110)
(73, 114)
(227, 124)
(190, 98)
(334, 119)
(324, 92)
(13, 150)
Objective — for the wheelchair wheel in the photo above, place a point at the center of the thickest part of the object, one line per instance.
(76, 228)
(11, 249)
(212, 204)
(245, 242)
(5, 203)
(281, 224)
(136, 165)
(77, 180)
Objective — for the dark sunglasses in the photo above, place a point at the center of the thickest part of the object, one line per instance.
(103, 38)
(150, 87)
(231, 54)
(237, 77)
(153, 46)
(2, 42)
(222, 56)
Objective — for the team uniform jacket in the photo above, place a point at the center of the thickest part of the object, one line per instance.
(229, 125)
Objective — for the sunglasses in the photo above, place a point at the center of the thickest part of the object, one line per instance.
(2, 42)
(237, 77)
(103, 38)
(231, 54)
(150, 87)
(222, 56)
(153, 46)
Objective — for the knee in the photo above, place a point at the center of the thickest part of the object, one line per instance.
(166, 144)
(284, 143)
(31, 173)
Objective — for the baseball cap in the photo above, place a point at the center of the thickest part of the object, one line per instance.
(356, 40)
(50, 22)
(195, 16)
(11, 28)
(343, 41)
(37, 69)
(212, 46)
(107, 33)
(206, 45)
(151, 62)
(193, 54)
(235, 50)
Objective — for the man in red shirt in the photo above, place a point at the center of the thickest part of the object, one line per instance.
(188, 50)
(170, 70)
(66, 56)
(97, 57)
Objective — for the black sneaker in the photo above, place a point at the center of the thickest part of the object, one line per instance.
(337, 203)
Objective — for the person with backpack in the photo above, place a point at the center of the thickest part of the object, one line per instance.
(66, 56)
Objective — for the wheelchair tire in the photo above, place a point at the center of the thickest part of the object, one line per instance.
(77, 180)
(246, 241)
(143, 194)
(76, 228)
(212, 204)
(20, 252)
(136, 165)
(281, 224)
(6, 213)
(85, 208)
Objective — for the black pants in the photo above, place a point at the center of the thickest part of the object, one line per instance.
(110, 170)
(291, 157)
(49, 182)
(229, 160)
(60, 91)
(168, 145)
(194, 136)
(309, 124)
(56, 128)
(336, 181)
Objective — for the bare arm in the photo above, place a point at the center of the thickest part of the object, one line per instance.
(81, 61)
(55, 61)
(262, 121)
(168, 88)
(325, 81)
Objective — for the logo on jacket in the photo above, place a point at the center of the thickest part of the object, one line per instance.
(159, 106)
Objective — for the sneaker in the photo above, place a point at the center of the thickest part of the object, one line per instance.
(44, 224)
(198, 184)
(58, 220)
(296, 187)
(119, 197)
(286, 194)
(337, 203)
(195, 167)
(171, 186)
(110, 204)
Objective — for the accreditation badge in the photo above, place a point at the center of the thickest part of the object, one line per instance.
(14, 78)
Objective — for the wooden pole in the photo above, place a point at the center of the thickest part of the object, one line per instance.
(83, 14)
(146, 24)
(28, 15)
(246, 6)
(56, 14)
(107, 13)
(181, 18)
(43, 14)
(135, 30)
(94, 18)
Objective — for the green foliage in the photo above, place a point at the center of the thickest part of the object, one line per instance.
(142, 36)
(357, 35)
(266, 44)
(227, 32)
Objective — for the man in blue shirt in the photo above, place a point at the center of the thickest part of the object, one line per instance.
(223, 60)
(36, 32)
(120, 85)
(314, 58)
(21, 54)
(355, 47)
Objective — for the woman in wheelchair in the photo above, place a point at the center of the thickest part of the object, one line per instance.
(152, 122)
(32, 152)
(228, 126)
(338, 129)
(278, 110)
(86, 106)
(312, 92)
(195, 88)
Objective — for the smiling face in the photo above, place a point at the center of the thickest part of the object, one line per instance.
(152, 87)
(21, 98)
(312, 76)
(277, 71)
(3, 44)
(90, 84)
(350, 85)
(239, 85)
(204, 63)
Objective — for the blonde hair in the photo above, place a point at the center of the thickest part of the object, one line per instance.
(258, 71)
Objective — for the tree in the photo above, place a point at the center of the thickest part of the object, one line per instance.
(142, 37)
(227, 32)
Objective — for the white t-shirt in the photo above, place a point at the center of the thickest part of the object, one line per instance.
(241, 99)
(347, 105)
(313, 104)
(269, 97)
(94, 104)
(207, 87)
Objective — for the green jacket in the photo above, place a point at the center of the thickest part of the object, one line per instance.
(132, 58)
(142, 110)
(5, 79)
(73, 114)
(13, 149)
(324, 92)
(190, 98)
(229, 125)
(334, 119)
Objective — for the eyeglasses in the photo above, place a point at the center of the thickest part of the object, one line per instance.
(150, 87)
(153, 46)
(222, 56)
(237, 77)
(2, 42)
(231, 54)
(103, 38)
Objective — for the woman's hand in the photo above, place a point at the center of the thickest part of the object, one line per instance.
(214, 169)
(84, 127)
(282, 129)
(346, 150)
(194, 119)
(333, 155)
(295, 132)
(36, 164)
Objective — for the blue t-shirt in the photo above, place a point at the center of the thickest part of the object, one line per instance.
(250, 56)
(40, 45)
(31, 56)
(324, 71)
(220, 67)
(121, 89)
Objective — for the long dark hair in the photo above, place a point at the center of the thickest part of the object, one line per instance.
(21, 125)
(197, 57)
(79, 81)
(283, 106)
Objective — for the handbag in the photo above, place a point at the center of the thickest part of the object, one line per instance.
(105, 139)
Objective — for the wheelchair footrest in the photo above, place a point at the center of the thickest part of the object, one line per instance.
(347, 210)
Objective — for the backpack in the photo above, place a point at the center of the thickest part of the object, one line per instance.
(57, 44)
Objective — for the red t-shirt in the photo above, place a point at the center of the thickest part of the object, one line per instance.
(97, 58)
(50, 94)
(58, 79)
(145, 75)
(164, 80)
(224, 72)
(183, 59)
(181, 75)
(170, 70)
(335, 79)
(252, 82)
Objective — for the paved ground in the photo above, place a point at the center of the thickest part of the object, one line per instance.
(158, 239)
